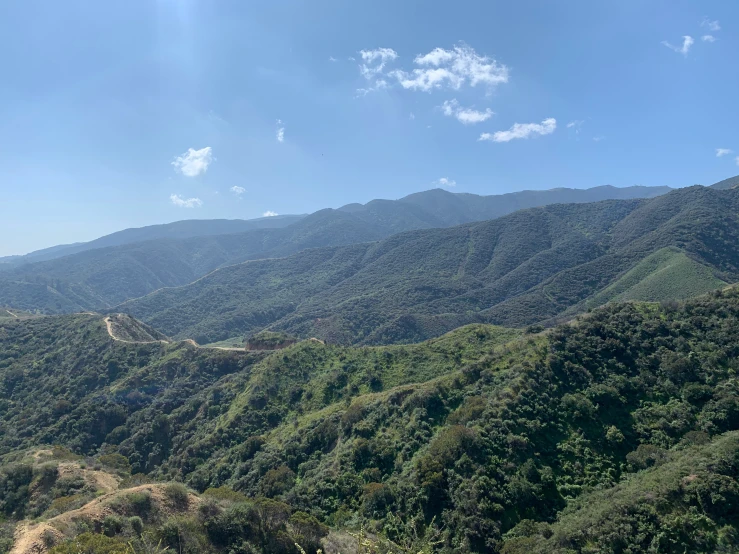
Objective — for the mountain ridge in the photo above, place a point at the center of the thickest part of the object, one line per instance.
(529, 266)
(100, 278)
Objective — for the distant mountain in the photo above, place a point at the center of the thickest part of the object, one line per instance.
(530, 266)
(102, 276)
(729, 183)
(177, 230)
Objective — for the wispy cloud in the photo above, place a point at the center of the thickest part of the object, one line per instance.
(446, 182)
(737, 160)
(332, 59)
(710, 25)
(374, 61)
(372, 68)
(412, 116)
(180, 202)
(379, 84)
(522, 131)
(684, 49)
(451, 68)
(193, 162)
(722, 152)
(269, 213)
(238, 191)
(599, 138)
(708, 38)
(467, 116)
(576, 125)
(280, 131)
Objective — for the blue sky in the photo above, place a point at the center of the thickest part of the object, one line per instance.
(127, 113)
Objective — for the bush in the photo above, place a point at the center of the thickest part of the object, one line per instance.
(225, 494)
(178, 495)
(90, 543)
(116, 462)
(137, 524)
(112, 525)
(139, 502)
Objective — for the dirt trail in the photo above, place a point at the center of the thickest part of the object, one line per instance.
(29, 537)
(109, 326)
(11, 313)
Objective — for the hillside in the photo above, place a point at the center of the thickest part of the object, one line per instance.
(483, 440)
(527, 267)
(135, 262)
(177, 230)
(729, 183)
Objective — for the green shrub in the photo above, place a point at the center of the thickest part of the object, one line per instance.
(137, 524)
(112, 525)
(225, 494)
(116, 462)
(92, 543)
(178, 495)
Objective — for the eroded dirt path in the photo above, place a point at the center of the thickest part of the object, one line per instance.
(11, 313)
(109, 326)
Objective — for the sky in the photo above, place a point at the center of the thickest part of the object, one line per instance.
(121, 113)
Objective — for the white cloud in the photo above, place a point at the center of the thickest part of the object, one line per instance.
(722, 152)
(708, 38)
(280, 131)
(380, 84)
(684, 49)
(269, 213)
(193, 162)
(598, 139)
(238, 191)
(467, 116)
(711, 25)
(374, 61)
(522, 131)
(332, 59)
(445, 182)
(453, 68)
(180, 202)
(737, 160)
(412, 116)
(576, 125)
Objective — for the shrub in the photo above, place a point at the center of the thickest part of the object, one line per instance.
(178, 495)
(139, 502)
(137, 524)
(112, 525)
(277, 481)
(116, 462)
(90, 543)
(225, 494)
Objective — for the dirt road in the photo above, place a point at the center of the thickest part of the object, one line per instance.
(109, 326)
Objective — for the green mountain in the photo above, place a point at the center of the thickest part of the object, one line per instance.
(615, 433)
(177, 230)
(135, 262)
(530, 266)
(729, 183)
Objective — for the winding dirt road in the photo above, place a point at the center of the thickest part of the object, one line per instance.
(109, 326)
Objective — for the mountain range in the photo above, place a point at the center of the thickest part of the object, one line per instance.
(531, 266)
(134, 262)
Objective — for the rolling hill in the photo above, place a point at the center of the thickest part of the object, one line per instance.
(134, 262)
(527, 267)
(486, 439)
